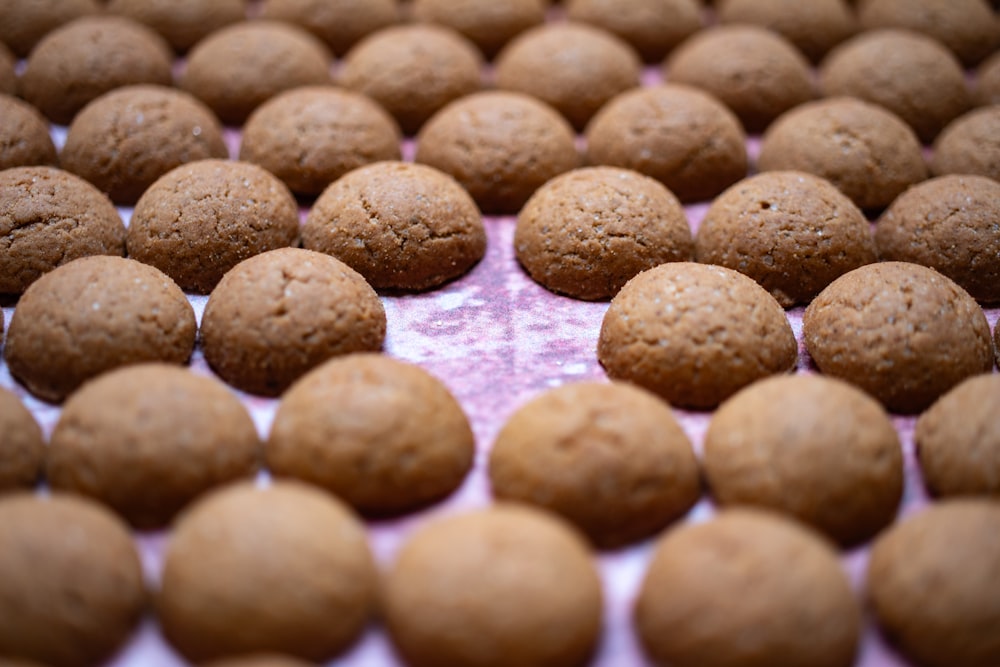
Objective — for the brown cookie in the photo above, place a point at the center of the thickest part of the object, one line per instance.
(49, 217)
(88, 57)
(489, 25)
(125, 140)
(540, 605)
(71, 585)
(181, 22)
(988, 81)
(23, 449)
(281, 569)
(311, 136)
(276, 315)
(148, 439)
(694, 334)
(236, 69)
(869, 153)
(24, 135)
(680, 136)
(398, 439)
(26, 22)
(949, 224)
(589, 231)
(790, 231)
(934, 582)
(500, 146)
(814, 27)
(653, 27)
(8, 77)
(259, 660)
(970, 145)
(746, 589)
(902, 332)
(339, 23)
(201, 219)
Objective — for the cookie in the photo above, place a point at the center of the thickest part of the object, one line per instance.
(902, 332)
(71, 585)
(24, 135)
(723, 593)
(814, 28)
(181, 22)
(23, 448)
(792, 232)
(8, 77)
(49, 217)
(339, 23)
(398, 440)
(541, 604)
(500, 146)
(680, 136)
(146, 440)
(970, 145)
(278, 314)
(694, 334)
(589, 231)
(413, 71)
(26, 22)
(236, 69)
(311, 136)
(988, 81)
(652, 27)
(949, 224)
(281, 569)
(934, 582)
(489, 25)
(259, 660)
(125, 140)
(91, 56)
(869, 153)
(203, 218)
(757, 73)
(575, 68)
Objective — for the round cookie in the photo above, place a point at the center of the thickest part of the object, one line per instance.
(949, 224)
(181, 22)
(571, 66)
(311, 136)
(489, 25)
(500, 146)
(677, 134)
(869, 153)
(757, 73)
(236, 69)
(203, 218)
(694, 334)
(88, 57)
(8, 77)
(276, 315)
(652, 27)
(26, 22)
(126, 139)
(988, 81)
(259, 660)
(398, 439)
(589, 231)
(23, 449)
(540, 605)
(792, 232)
(725, 593)
(71, 584)
(146, 440)
(814, 27)
(902, 332)
(811, 447)
(24, 135)
(934, 582)
(303, 548)
(413, 71)
(49, 217)
(339, 23)
(970, 145)
(958, 440)
(609, 458)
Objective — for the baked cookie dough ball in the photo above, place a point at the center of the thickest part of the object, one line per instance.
(988, 81)
(489, 25)
(339, 23)
(283, 569)
(540, 605)
(146, 440)
(589, 231)
(680, 136)
(902, 332)
(71, 585)
(309, 137)
(792, 232)
(949, 224)
(259, 660)
(694, 334)
(276, 315)
(398, 439)
(934, 582)
(814, 27)
(869, 153)
(500, 146)
(181, 22)
(92, 315)
(201, 219)
(723, 593)
(653, 27)
(8, 77)
(26, 22)
(125, 140)
(970, 145)
(49, 217)
(23, 449)
(84, 59)
(236, 69)
(401, 226)
(24, 135)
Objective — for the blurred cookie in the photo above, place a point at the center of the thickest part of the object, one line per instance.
(970, 145)
(988, 81)
(339, 23)
(489, 25)
(814, 28)
(181, 22)
(26, 22)
(259, 660)
(8, 77)
(652, 27)
(24, 135)
(23, 449)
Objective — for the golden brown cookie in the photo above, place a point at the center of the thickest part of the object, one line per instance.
(23, 449)
(653, 27)
(181, 22)
(282, 569)
(814, 27)
(988, 81)
(489, 25)
(8, 77)
(26, 22)
(970, 145)
(339, 23)
(24, 135)
(259, 660)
